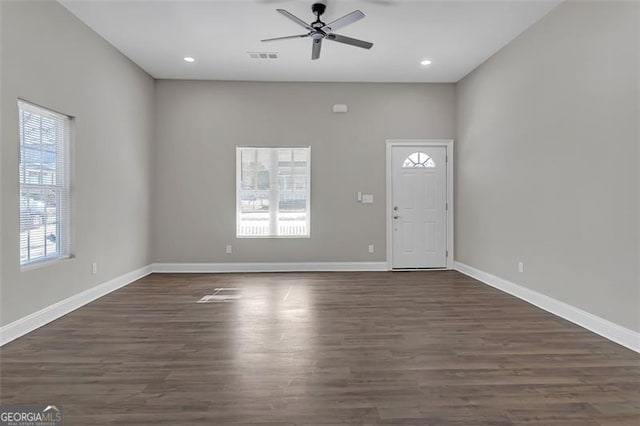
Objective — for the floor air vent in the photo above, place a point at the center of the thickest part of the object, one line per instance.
(221, 295)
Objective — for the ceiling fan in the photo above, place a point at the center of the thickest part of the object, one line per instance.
(319, 31)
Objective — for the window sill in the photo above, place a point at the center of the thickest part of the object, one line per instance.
(37, 264)
(273, 237)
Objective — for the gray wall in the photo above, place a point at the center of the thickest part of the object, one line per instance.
(52, 59)
(199, 124)
(547, 160)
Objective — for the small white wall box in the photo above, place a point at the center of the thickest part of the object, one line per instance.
(341, 108)
(367, 198)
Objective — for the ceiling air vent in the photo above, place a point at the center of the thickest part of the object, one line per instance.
(263, 55)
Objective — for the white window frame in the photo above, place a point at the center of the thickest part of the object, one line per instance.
(273, 199)
(62, 185)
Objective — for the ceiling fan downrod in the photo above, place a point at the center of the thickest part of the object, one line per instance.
(318, 9)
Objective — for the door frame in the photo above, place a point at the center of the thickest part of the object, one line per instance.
(448, 145)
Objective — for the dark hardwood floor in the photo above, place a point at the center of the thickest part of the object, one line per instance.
(427, 348)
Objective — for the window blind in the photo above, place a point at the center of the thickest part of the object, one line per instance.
(44, 184)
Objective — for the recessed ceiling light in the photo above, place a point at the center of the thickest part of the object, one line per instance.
(425, 62)
(189, 59)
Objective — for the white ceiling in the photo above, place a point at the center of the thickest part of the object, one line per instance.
(456, 36)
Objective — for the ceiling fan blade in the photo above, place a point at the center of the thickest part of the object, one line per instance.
(315, 51)
(295, 19)
(286, 37)
(350, 18)
(350, 41)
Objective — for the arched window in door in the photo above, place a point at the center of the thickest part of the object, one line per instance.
(418, 160)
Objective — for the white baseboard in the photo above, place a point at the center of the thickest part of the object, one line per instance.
(268, 267)
(44, 316)
(601, 326)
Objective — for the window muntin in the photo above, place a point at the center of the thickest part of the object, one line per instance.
(418, 159)
(44, 184)
(273, 192)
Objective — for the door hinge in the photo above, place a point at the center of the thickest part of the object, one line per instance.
(446, 158)
(446, 206)
(446, 253)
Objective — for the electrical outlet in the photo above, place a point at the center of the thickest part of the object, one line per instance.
(520, 266)
(229, 249)
(94, 268)
(370, 248)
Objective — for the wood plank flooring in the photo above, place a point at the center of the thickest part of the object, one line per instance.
(426, 348)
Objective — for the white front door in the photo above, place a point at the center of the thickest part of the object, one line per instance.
(419, 206)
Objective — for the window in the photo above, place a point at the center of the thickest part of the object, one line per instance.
(44, 184)
(273, 192)
(418, 159)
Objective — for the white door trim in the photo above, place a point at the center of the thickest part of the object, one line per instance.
(448, 145)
